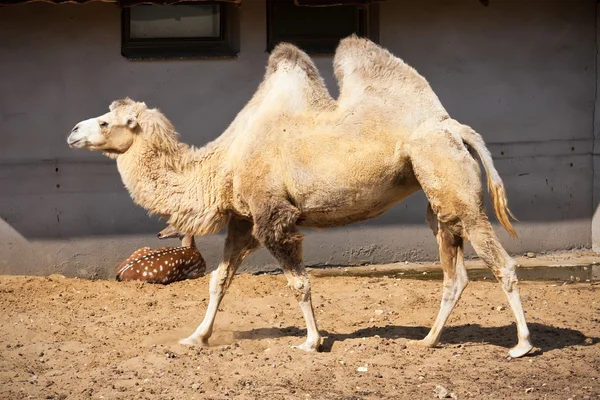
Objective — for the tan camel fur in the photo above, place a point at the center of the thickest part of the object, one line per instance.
(296, 157)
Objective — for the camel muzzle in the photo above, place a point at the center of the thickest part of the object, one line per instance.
(75, 139)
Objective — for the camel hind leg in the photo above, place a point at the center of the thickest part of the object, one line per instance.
(503, 266)
(455, 274)
(450, 178)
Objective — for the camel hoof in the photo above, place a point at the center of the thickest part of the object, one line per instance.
(192, 341)
(520, 350)
(420, 343)
(308, 347)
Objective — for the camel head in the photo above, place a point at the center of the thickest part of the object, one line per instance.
(113, 133)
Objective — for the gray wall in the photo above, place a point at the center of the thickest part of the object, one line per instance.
(596, 148)
(520, 72)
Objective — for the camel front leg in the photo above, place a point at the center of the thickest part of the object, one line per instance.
(299, 283)
(238, 245)
(275, 227)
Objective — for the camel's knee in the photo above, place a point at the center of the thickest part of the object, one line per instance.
(298, 283)
(501, 264)
(300, 286)
(507, 275)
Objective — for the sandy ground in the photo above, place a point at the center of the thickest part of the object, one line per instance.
(64, 338)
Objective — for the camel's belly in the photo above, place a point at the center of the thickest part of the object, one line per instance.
(344, 207)
(340, 190)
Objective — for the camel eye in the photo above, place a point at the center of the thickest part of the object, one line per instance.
(103, 124)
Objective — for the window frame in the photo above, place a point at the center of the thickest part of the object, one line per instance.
(223, 46)
(367, 22)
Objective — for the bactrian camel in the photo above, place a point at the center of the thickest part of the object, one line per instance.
(294, 157)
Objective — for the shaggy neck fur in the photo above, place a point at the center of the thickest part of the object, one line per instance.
(169, 178)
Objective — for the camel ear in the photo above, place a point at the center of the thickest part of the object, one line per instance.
(131, 122)
(120, 103)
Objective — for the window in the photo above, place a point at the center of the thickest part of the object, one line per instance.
(179, 31)
(317, 30)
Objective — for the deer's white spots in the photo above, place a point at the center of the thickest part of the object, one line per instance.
(179, 263)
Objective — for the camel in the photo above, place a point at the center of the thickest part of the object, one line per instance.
(295, 157)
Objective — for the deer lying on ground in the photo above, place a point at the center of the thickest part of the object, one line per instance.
(164, 265)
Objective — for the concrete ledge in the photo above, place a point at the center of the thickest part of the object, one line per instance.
(573, 266)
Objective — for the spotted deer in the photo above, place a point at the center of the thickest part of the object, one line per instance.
(164, 265)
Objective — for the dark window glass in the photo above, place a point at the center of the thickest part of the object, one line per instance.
(179, 31)
(314, 29)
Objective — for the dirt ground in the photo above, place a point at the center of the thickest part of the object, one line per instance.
(64, 338)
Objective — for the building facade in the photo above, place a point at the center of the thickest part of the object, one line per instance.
(522, 73)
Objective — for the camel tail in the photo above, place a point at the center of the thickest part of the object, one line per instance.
(495, 184)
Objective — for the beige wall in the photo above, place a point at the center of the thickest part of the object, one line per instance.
(521, 73)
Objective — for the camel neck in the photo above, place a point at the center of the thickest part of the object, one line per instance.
(182, 185)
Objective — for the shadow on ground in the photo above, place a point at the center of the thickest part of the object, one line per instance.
(544, 337)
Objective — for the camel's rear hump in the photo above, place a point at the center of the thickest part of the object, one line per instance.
(368, 74)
